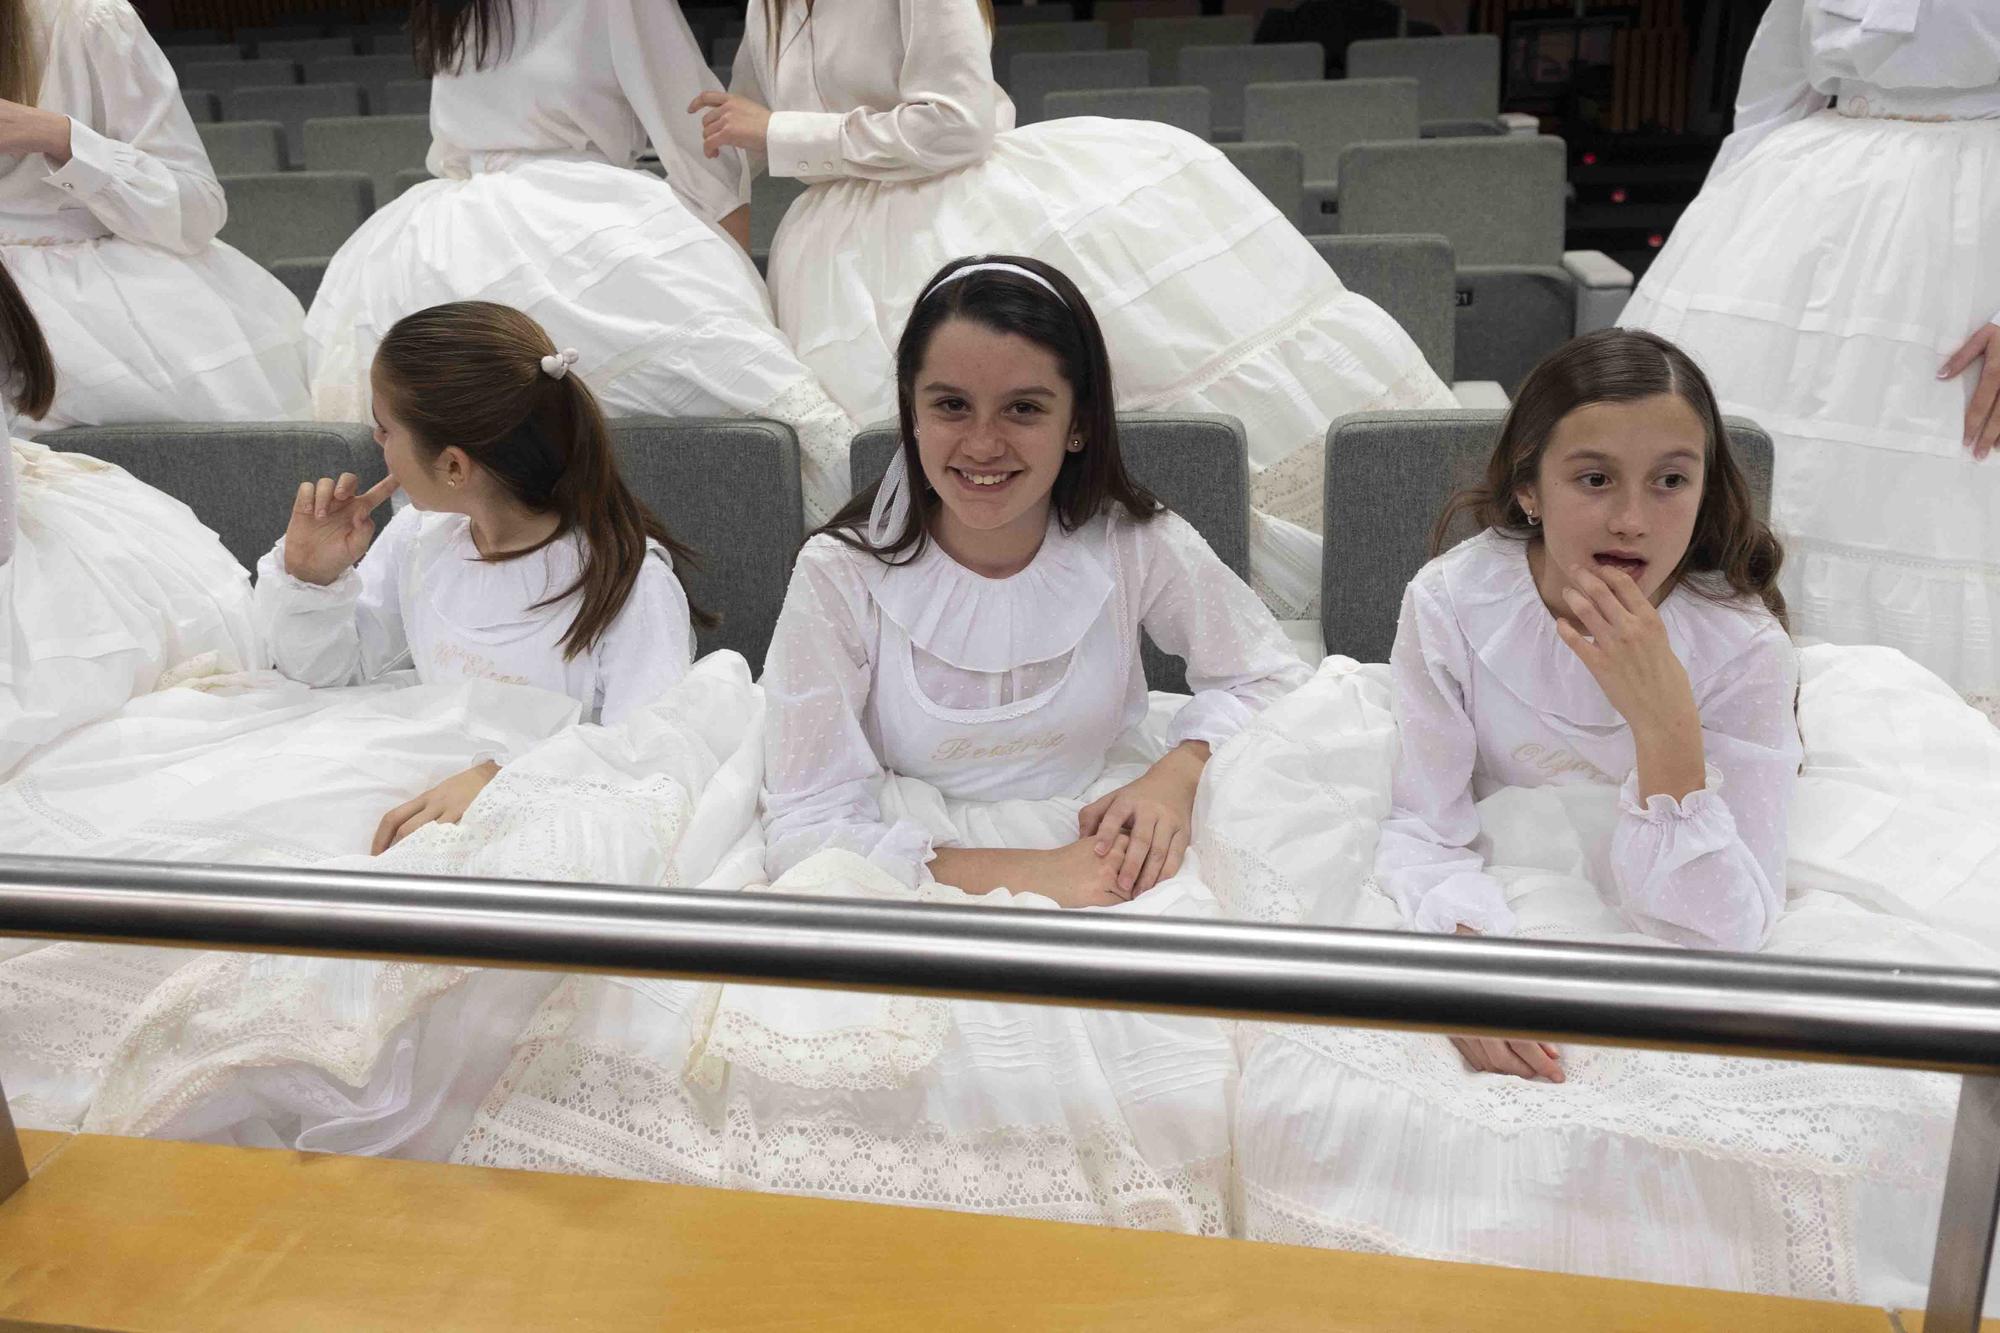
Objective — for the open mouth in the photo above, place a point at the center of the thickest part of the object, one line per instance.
(1633, 565)
(983, 483)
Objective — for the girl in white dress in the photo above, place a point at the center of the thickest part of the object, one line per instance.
(956, 711)
(1211, 300)
(1838, 278)
(1594, 736)
(108, 217)
(538, 111)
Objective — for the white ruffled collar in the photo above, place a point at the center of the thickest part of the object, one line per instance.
(1493, 595)
(496, 598)
(979, 624)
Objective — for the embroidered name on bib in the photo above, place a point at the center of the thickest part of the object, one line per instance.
(450, 657)
(959, 749)
(1556, 762)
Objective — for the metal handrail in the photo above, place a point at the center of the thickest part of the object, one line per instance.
(1664, 998)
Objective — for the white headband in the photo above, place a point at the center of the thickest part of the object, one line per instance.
(557, 364)
(993, 266)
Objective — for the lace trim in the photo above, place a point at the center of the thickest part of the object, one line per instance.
(825, 436)
(1822, 546)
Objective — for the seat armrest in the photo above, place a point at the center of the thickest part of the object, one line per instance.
(1603, 286)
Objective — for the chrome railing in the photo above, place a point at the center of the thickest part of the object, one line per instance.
(1916, 1018)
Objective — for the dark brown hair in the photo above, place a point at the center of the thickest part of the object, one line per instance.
(1732, 552)
(470, 374)
(31, 371)
(445, 33)
(1059, 321)
(20, 54)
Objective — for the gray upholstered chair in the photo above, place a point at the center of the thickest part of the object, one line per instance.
(295, 214)
(1413, 278)
(404, 179)
(1198, 465)
(1324, 116)
(1039, 73)
(1458, 78)
(381, 147)
(1276, 169)
(292, 106)
(1022, 38)
(204, 107)
(1227, 70)
(1388, 475)
(403, 97)
(301, 276)
(1163, 38)
(239, 147)
(373, 74)
(226, 76)
(1183, 108)
(303, 49)
(183, 54)
(770, 199)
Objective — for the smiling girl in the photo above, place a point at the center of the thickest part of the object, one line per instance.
(1616, 622)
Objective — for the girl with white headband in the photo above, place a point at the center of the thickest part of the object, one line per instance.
(955, 702)
(1211, 299)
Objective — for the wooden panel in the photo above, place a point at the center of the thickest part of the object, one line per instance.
(38, 1145)
(1913, 1322)
(139, 1235)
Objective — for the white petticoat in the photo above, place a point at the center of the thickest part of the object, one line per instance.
(113, 590)
(667, 314)
(1821, 283)
(143, 334)
(1809, 1180)
(1210, 301)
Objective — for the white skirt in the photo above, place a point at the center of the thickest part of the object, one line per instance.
(1821, 283)
(1210, 301)
(114, 589)
(142, 334)
(667, 314)
(1809, 1180)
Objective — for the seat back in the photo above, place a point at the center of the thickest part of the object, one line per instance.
(295, 214)
(1162, 38)
(1039, 73)
(235, 147)
(292, 106)
(203, 106)
(1276, 170)
(381, 147)
(202, 53)
(303, 49)
(1227, 70)
(1324, 116)
(226, 76)
(372, 74)
(1499, 201)
(1022, 38)
(300, 276)
(770, 198)
(1183, 108)
(404, 179)
(403, 97)
(1458, 78)
(1413, 279)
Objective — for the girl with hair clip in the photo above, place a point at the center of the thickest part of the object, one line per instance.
(1212, 301)
(108, 217)
(956, 714)
(539, 109)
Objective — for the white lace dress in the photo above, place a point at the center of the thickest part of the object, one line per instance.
(116, 252)
(540, 205)
(1803, 1180)
(912, 708)
(1209, 299)
(1834, 260)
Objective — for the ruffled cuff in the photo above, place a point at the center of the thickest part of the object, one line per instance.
(1214, 716)
(902, 849)
(1664, 809)
(289, 593)
(95, 163)
(1468, 898)
(804, 143)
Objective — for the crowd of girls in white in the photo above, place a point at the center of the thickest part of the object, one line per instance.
(953, 703)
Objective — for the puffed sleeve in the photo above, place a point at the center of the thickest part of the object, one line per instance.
(1424, 859)
(661, 69)
(1709, 870)
(138, 165)
(1776, 88)
(649, 646)
(351, 630)
(946, 114)
(822, 777)
(1238, 660)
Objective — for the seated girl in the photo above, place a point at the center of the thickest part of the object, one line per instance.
(955, 695)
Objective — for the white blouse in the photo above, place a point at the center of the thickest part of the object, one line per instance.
(1487, 696)
(423, 597)
(137, 169)
(887, 90)
(994, 689)
(593, 79)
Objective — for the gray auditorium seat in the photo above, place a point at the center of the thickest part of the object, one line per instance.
(1025, 38)
(1458, 78)
(373, 74)
(1388, 475)
(380, 146)
(728, 487)
(226, 76)
(1162, 38)
(1227, 70)
(1197, 464)
(1049, 11)
(722, 51)
(301, 276)
(1500, 202)
(238, 478)
(403, 181)
(403, 97)
(293, 107)
(203, 53)
(1276, 170)
(1183, 108)
(770, 198)
(1324, 116)
(295, 214)
(1413, 278)
(203, 106)
(239, 147)
(280, 32)
(172, 38)
(1039, 73)
(304, 49)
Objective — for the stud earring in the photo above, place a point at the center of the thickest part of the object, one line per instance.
(1076, 445)
(1534, 520)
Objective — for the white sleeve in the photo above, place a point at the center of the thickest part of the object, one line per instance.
(649, 646)
(142, 171)
(661, 69)
(1709, 870)
(347, 632)
(1424, 859)
(746, 80)
(1238, 660)
(945, 116)
(822, 777)
(1777, 87)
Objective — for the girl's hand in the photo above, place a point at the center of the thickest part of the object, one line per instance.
(27, 129)
(1156, 810)
(731, 122)
(1507, 1055)
(1982, 414)
(1079, 875)
(1627, 650)
(445, 803)
(330, 526)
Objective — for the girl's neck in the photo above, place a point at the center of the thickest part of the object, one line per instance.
(505, 529)
(993, 553)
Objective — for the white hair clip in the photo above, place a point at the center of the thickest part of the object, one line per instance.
(557, 364)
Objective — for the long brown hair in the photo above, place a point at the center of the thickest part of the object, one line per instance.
(31, 371)
(444, 33)
(1060, 322)
(470, 374)
(20, 54)
(1732, 552)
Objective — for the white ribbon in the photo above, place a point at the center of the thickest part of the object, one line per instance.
(892, 502)
(557, 364)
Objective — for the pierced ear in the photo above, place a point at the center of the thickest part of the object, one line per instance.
(1530, 504)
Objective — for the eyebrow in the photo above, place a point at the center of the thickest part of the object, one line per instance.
(1597, 456)
(1032, 391)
